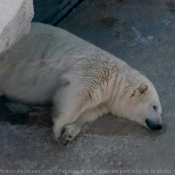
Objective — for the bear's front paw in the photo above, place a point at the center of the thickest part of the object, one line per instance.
(65, 138)
(70, 132)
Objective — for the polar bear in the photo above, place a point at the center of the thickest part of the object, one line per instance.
(83, 81)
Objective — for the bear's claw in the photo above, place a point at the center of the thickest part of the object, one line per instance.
(65, 138)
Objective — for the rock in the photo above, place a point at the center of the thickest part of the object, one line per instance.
(15, 21)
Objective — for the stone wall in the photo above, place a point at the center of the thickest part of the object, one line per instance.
(53, 11)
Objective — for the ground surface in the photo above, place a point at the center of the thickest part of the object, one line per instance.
(143, 34)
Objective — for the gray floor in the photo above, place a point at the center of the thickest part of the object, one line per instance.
(143, 34)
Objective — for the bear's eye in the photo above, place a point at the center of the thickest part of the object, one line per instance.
(155, 108)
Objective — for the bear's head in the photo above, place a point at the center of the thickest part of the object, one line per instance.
(140, 104)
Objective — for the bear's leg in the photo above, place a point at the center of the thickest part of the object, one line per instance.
(69, 103)
(72, 130)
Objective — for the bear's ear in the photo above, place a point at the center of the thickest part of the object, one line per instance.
(143, 88)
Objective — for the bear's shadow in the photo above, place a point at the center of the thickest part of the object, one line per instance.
(17, 113)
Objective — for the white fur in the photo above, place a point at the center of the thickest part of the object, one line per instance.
(82, 80)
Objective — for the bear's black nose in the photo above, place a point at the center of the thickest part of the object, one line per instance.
(152, 125)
